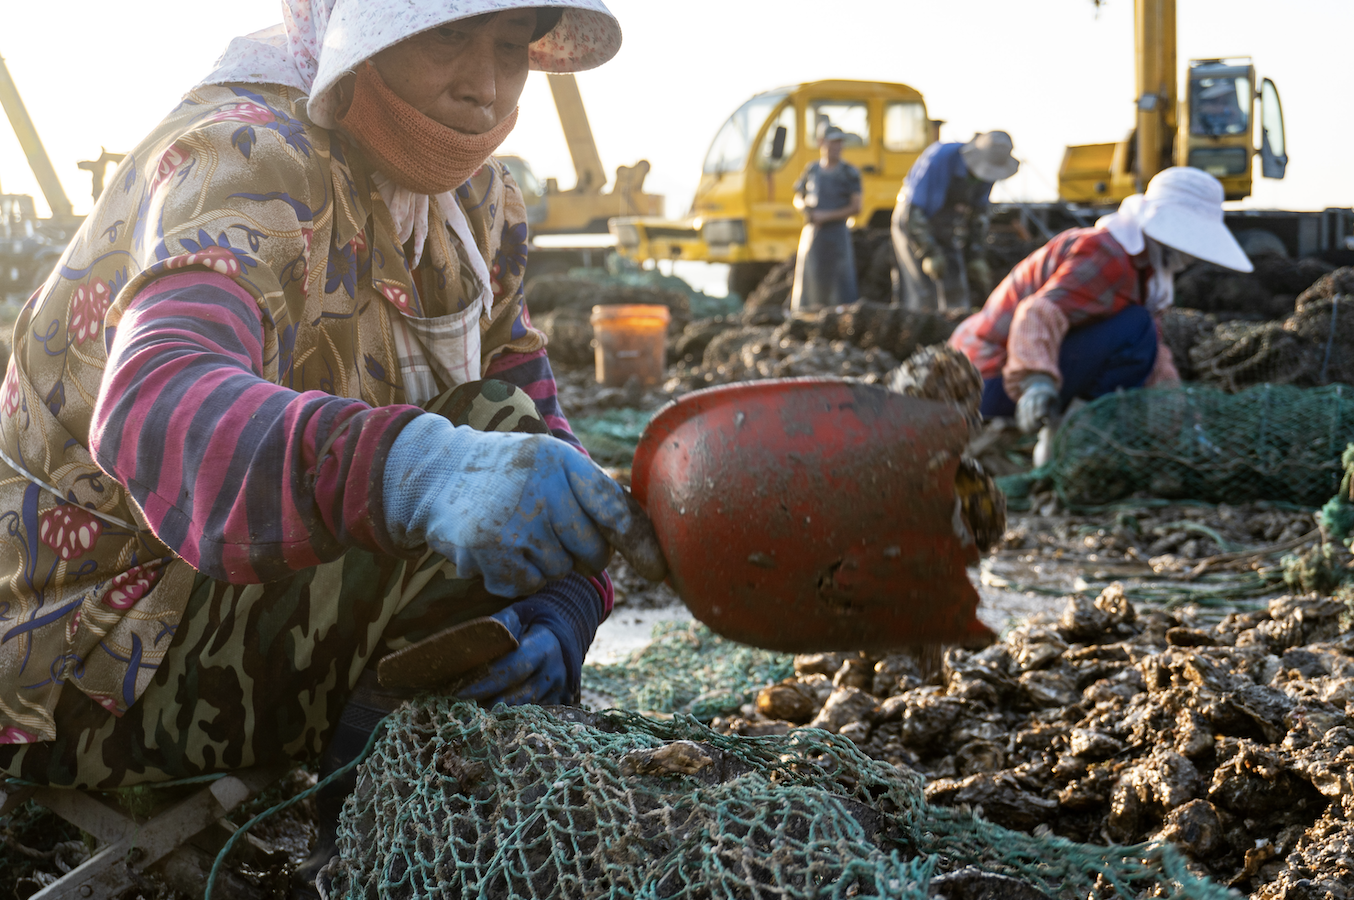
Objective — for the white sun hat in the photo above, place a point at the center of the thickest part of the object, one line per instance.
(1182, 208)
(988, 156)
(320, 41)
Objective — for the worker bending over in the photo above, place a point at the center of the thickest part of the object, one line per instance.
(828, 193)
(1077, 318)
(940, 222)
(281, 410)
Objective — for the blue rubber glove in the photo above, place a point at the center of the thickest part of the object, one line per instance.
(516, 509)
(1038, 402)
(554, 628)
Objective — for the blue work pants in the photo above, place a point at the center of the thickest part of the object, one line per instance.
(1096, 359)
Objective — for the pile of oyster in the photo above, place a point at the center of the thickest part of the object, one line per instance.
(1112, 725)
(861, 340)
(1163, 538)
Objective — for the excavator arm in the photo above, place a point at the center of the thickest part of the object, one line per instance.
(584, 208)
(573, 117)
(38, 160)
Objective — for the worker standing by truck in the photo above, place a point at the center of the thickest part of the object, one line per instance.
(1077, 318)
(940, 222)
(828, 193)
(281, 410)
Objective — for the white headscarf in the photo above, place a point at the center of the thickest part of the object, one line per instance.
(1125, 226)
(320, 41)
(1179, 219)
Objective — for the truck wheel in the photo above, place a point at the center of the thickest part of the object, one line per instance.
(1258, 241)
(745, 276)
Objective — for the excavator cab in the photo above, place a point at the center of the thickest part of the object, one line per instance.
(1218, 132)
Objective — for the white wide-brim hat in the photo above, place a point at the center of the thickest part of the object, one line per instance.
(1182, 208)
(988, 156)
(587, 36)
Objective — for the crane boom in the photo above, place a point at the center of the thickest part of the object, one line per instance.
(38, 160)
(1154, 31)
(578, 134)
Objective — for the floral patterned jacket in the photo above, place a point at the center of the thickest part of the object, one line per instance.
(238, 182)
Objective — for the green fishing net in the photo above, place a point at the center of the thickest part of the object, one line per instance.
(1268, 442)
(687, 668)
(531, 802)
(612, 436)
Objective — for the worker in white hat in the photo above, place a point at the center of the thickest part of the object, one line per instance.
(1077, 318)
(940, 221)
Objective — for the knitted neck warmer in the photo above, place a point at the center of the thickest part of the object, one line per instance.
(413, 150)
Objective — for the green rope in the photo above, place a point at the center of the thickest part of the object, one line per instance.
(308, 792)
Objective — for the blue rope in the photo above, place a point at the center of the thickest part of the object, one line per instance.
(308, 792)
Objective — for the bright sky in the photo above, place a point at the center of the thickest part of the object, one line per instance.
(1051, 72)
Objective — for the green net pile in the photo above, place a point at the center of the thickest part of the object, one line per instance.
(527, 802)
(1268, 442)
(622, 272)
(687, 668)
(612, 436)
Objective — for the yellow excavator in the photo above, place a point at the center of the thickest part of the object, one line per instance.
(1213, 127)
(584, 208)
(29, 245)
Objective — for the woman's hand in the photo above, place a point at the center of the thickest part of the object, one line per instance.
(515, 509)
(554, 629)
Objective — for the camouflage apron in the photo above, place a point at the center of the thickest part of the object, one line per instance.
(259, 673)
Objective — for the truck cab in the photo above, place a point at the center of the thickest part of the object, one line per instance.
(743, 211)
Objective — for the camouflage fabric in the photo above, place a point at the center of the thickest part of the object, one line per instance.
(259, 673)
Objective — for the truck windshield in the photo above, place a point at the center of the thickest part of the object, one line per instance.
(729, 152)
(1219, 105)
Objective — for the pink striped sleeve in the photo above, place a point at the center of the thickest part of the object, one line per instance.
(224, 463)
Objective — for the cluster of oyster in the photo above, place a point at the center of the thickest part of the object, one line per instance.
(750, 353)
(1109, 725)
(1165, 537)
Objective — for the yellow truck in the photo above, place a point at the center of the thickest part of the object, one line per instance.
(742, 213)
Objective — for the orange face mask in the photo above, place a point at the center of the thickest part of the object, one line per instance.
(414, 151)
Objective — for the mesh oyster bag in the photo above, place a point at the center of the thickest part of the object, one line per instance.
(531, 802)
(1268, 442)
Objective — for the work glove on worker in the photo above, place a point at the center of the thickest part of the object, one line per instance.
(1038, 402)
(933, 266)
(554, 628)
(517, 510)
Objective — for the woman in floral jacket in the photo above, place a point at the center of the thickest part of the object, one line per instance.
(224, 492)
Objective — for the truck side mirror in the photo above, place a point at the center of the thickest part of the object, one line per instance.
(1273, 152)
(778, 143)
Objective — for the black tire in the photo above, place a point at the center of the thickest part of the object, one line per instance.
(745, 276)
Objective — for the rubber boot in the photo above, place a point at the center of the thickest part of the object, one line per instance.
(366, 707)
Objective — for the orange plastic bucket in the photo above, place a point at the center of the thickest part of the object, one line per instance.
(632, 340)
